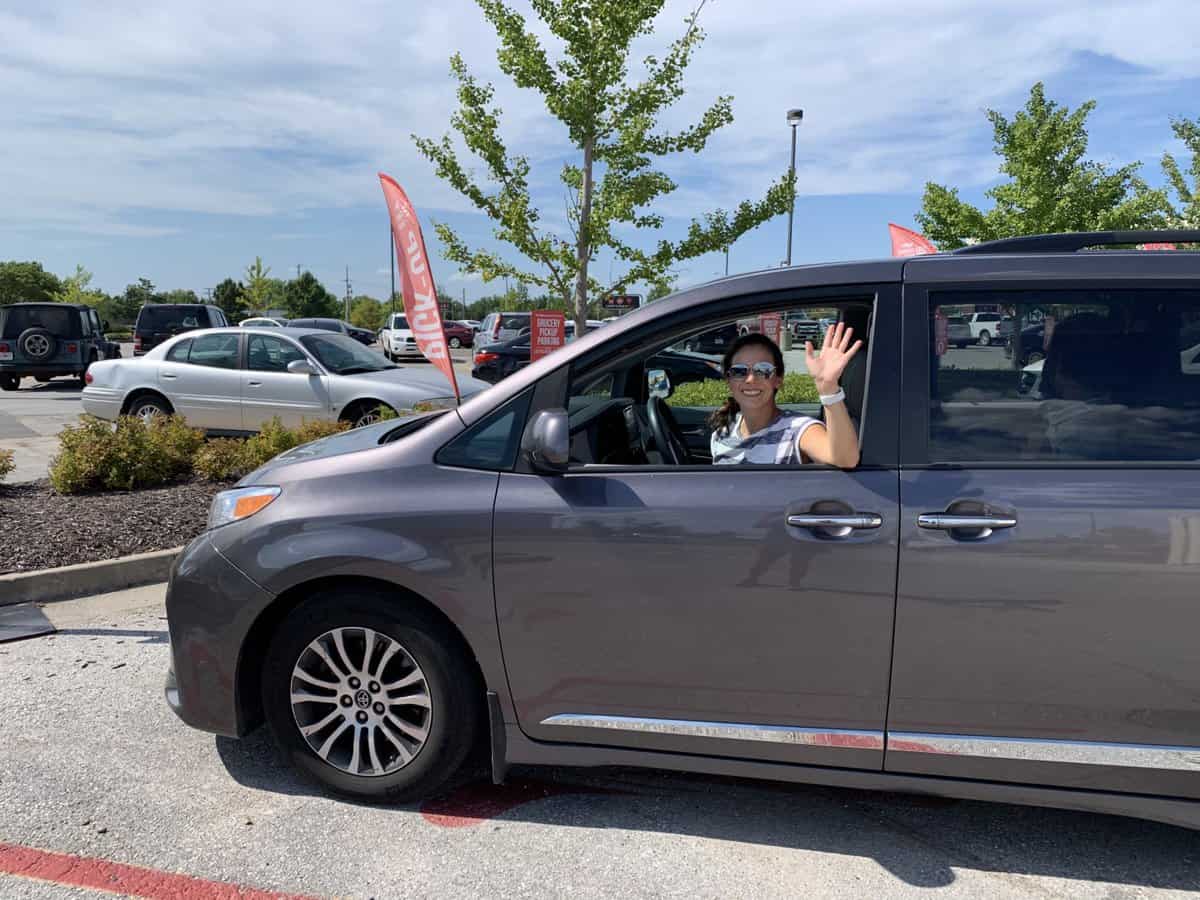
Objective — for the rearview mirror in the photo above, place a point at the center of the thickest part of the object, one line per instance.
(659, 383)
(546, 441)
(301, 367)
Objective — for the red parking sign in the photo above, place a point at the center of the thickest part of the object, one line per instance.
(547, 332)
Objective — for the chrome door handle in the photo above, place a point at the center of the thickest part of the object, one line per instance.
(949, 522)
(170, 375)
(852, 521)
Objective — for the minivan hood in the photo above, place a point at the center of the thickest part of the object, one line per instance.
(366, 438)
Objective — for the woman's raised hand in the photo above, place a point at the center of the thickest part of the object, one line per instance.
(837, 351)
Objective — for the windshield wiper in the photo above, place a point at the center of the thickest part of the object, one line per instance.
(361, 370)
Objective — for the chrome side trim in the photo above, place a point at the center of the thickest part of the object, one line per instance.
(1088, 753)
(726, 731)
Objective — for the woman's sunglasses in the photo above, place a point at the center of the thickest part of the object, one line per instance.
(741, 371)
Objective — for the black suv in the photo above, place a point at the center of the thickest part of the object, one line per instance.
(43, 340)
(158, 321)
(363, 335)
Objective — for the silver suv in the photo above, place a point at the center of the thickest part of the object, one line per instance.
(999, 602)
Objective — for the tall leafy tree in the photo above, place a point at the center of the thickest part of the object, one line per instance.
(127, 305)
(76, 288)
(1187, 213)
(1052, 186)
(180, 295)
(262, 291)
(230, 296)
(367, 312)
(305, 297)
(27, 282)
(612, 121)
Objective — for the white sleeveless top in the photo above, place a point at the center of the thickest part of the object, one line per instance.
(778, 443)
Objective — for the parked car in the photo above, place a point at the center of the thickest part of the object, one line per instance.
(397, 339)
(958, 332)
(999, 603)
(157, 322)
(363, 335)
(236, 379)
(499, 327)
(263, 322)
(458, 334)
(473, 324)
(986, 327)
(714, 340)
(496, 361)
(47, 340)
(1032, 344)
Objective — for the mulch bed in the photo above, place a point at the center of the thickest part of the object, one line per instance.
(40, 529)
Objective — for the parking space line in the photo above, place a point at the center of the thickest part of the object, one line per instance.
(118, 878)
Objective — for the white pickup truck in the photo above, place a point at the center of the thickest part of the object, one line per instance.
(986, 327)
(397, 339)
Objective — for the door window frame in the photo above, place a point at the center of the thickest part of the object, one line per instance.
(917, 372)
(880, 430)
(240, 357)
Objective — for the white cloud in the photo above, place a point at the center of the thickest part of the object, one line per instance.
(258, 108)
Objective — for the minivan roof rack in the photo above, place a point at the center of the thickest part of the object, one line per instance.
(1081, 240)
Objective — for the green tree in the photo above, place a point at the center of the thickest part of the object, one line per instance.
(75, 289)
(180, 295)
(305, 297)
(230, 295)
(1187, 213)
(661, 289)
(1052, 187)
(367, 312)
(126, 306)
(261, 290)
(612, 122)
(27, 282)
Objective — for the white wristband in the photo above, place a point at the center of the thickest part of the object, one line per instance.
(831, 399)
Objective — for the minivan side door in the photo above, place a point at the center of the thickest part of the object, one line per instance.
(1048, 604)
(697, 608)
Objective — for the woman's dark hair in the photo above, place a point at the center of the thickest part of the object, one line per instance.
(723, 417)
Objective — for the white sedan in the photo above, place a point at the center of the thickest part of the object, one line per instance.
(237, 379)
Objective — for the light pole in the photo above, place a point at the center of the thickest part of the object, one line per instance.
(794, 118)
(727, 261)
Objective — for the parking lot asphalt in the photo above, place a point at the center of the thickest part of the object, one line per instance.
(32, 417)
(101, 784)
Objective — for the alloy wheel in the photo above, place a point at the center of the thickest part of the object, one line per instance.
(37, 346)
(361, 702)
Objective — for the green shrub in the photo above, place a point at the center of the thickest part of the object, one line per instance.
(94, 455)
(6, 463)
(797, 388)
(228, 459)
(223, 459)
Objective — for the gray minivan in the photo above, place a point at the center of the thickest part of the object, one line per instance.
(1000, 602)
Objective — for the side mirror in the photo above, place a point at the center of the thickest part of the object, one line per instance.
(546, 441)
(659, 383)
(301, 367)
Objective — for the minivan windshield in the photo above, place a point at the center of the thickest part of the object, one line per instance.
(62, 321)
(344, 355)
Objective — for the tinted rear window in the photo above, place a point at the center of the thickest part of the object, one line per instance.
(63, 321)
(165, 318)
(514, 322)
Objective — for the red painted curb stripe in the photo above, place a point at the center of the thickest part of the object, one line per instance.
(118, 878)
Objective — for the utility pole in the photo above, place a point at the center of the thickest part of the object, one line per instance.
(347, 293)
(208, 294)
(464, 303)
(297, 271)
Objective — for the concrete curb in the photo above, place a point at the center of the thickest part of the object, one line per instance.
(85, 579)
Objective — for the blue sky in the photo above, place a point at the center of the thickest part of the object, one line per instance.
(176, 141)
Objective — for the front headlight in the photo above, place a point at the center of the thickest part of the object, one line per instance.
(238, 504)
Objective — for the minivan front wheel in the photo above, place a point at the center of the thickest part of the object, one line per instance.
(369, 698)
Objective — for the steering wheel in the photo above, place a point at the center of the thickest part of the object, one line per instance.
(665, 431)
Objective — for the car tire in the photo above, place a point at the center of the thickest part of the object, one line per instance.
(364, 412)
(9, 382)
(985, 339)
(440, 729)
(148, 406)
(37, 343)
(455, 343)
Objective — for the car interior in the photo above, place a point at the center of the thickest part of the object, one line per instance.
(1082, 403)
(628, 413)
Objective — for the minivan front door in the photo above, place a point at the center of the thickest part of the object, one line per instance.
(704, 609)
(1052, 640)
